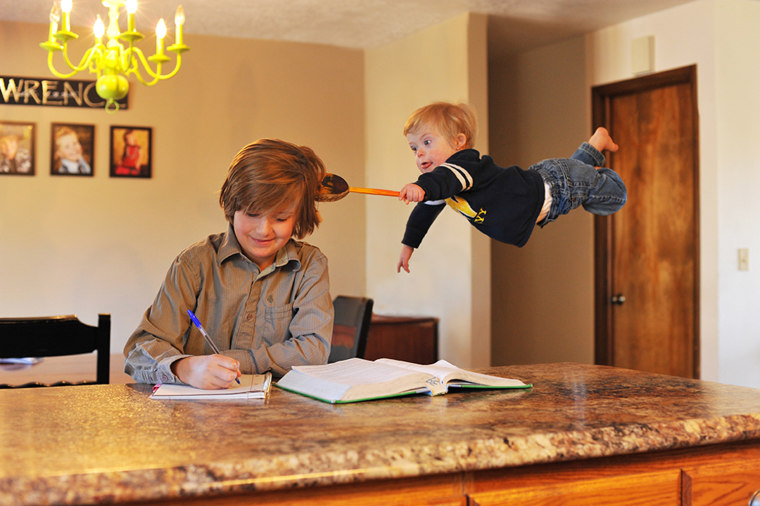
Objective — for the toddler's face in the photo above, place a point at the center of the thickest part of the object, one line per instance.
(430, 148)
(69, 147)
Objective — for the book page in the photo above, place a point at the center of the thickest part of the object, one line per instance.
(251, 386)
(355, 379)
(354, 371)
(447, 372)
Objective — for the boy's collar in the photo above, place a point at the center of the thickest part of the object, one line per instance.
(287, 254)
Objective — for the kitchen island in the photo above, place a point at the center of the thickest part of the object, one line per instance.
(584, 433)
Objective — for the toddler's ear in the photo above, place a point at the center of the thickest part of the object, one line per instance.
(460, 141)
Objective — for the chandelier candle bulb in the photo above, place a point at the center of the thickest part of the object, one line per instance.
(66, 8)
(179, 20)
(160, 34)
(98, 29)
(54, 17)
(131, 9)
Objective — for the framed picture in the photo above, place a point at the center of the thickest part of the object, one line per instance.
(72, 149)
(131, 149)
(17, 148)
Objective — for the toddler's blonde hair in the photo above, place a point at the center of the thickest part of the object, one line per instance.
(448, 119)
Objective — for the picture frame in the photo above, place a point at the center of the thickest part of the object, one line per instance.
(72, 149)
(131, 152)
(17, 148)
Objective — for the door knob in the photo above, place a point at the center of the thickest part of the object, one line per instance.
(618, 299)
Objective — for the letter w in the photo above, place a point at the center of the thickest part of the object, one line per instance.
(11, 88)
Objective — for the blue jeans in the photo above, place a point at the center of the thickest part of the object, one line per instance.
(575, 181)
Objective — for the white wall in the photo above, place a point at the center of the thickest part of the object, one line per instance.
(445, 62)
(737, 75)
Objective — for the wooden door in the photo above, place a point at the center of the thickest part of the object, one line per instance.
(647, 254)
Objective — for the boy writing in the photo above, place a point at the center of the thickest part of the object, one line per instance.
(503, 203)
(262, 296)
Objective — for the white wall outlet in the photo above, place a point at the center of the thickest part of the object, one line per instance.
(743, 259)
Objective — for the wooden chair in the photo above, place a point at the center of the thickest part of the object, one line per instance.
(55, 336)
(350, 328)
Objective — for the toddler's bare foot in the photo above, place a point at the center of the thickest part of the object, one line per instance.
(602, 141)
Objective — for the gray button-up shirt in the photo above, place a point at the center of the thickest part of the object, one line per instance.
(270, 320)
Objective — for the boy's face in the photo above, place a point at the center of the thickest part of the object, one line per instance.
(69, 147)
(430, 148)
(262, 235)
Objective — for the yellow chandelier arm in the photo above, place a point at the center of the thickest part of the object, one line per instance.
(135, 54)
(89, 58)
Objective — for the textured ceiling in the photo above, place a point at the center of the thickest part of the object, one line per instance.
(514, 24)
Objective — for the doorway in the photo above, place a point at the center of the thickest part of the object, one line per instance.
(646, 257)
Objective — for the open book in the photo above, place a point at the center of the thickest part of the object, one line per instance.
(357, 379)
(252, 386)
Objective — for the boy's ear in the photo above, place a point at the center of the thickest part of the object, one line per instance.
(460, 141)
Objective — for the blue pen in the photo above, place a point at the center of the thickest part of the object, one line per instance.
(205, 335)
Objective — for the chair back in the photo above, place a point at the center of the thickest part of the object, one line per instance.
(54, 336)
(350, 328)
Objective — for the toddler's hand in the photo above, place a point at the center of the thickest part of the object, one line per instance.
(411, 193)
(403, 261)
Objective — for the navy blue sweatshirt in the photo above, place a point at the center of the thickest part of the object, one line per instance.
(503, 203)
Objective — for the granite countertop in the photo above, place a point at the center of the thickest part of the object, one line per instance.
(111, 443)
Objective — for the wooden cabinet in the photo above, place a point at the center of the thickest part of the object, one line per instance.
(410, 338)
(711, 475)
(731, 478)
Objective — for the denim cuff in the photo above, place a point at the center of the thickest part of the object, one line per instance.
(592, 152)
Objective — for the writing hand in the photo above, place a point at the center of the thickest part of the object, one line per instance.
(207, 371)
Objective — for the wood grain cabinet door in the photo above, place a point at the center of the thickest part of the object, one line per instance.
(582, 486)
(732, 481)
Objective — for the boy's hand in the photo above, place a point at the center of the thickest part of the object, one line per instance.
(403, 261)
(411, 193)
(207, 371)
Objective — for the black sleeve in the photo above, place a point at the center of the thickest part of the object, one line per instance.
(442, 182)
(423, 215)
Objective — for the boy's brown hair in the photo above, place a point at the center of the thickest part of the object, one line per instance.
(449, 119)
(269, 174)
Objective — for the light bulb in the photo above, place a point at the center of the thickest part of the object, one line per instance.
(131, 6)
(179, 17)
(161, 29)
(55, 16)
(66, 6)
(99, 28)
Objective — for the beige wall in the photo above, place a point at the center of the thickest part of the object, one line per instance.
(543, 292)
(447, 280)
(99, 244)
(89, 245)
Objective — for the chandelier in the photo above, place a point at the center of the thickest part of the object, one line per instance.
(115, 60)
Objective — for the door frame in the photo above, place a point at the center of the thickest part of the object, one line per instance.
(604, 339)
